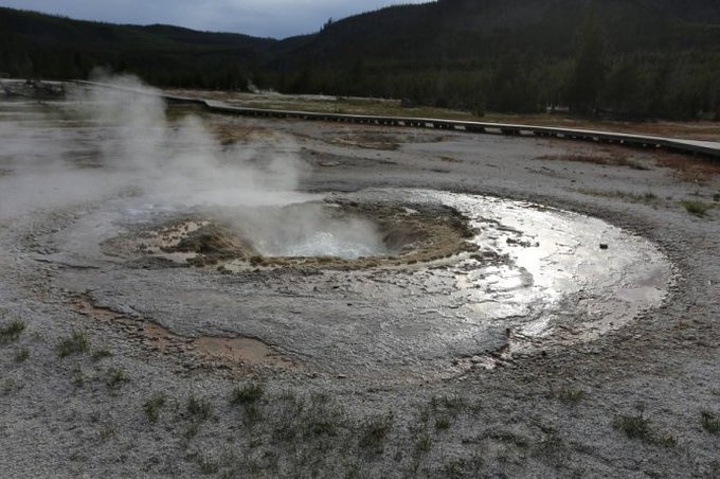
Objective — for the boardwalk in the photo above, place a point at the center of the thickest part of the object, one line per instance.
(705, 148)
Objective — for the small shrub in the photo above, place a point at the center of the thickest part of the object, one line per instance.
(116, 377)
(11, 331)
(697, 208)
(199, 408)
(716, 197)
(77, 343)
(710, 423)
(153, 405)
(247, 394)
(22, 355)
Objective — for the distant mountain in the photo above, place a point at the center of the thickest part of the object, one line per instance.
(37, 44)
(626, 57)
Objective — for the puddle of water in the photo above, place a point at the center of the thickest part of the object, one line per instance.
(556, 276)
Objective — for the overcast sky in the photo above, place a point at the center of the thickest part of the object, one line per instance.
(261, 18)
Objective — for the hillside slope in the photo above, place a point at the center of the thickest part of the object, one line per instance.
(635, 58)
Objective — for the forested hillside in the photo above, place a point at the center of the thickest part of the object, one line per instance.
(33, 44)
(624, 58)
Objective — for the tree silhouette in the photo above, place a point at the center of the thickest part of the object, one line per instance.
(588, 76)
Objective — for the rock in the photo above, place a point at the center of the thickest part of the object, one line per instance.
(476, 360)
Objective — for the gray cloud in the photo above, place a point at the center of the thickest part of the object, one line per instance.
(262, 18)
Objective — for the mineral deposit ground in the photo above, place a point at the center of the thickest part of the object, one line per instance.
(184, 294)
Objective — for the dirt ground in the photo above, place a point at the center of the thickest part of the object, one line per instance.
(102, 373)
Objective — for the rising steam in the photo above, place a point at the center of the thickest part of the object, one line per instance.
(131, 146)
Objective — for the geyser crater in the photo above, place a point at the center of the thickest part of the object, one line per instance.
(334, 233)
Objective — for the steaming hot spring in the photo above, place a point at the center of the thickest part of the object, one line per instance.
(421, 274)
(217, 244)
(336, 232)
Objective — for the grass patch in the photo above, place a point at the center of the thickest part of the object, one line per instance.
(100, 354)
(116, 377)
(207, 465)
(199, 408)
(442, 423)
(11, 331)
(697, 208)
(22, 355)
(317, 427)
(247, 394)
(647, 197)
(447, 403)
(77, 343)
(8, 386)
(570, 396)
(423, 444)
(611, 157)
(710, 423)
(634, 427)
(639, 427)
(373, 433)
(153, 405)
(107, 431)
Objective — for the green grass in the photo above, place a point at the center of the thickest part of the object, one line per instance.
(77, 343)
(710, 423)
(316, 427)
(442, 423)
(640, 427)
(207, 465)
(22, 355)
(116, 377)
(647, 197)
(423, 444)
(373, 433)
(107, 431)
(100, 354)
(11, 331)
(247, 394)
(570, 396)
(199, 408)
(153, 405)
(696, 208)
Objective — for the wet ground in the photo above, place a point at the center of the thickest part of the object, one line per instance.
(557, 317)
(526, 277)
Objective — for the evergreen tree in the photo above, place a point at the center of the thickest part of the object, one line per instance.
(588, 76)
